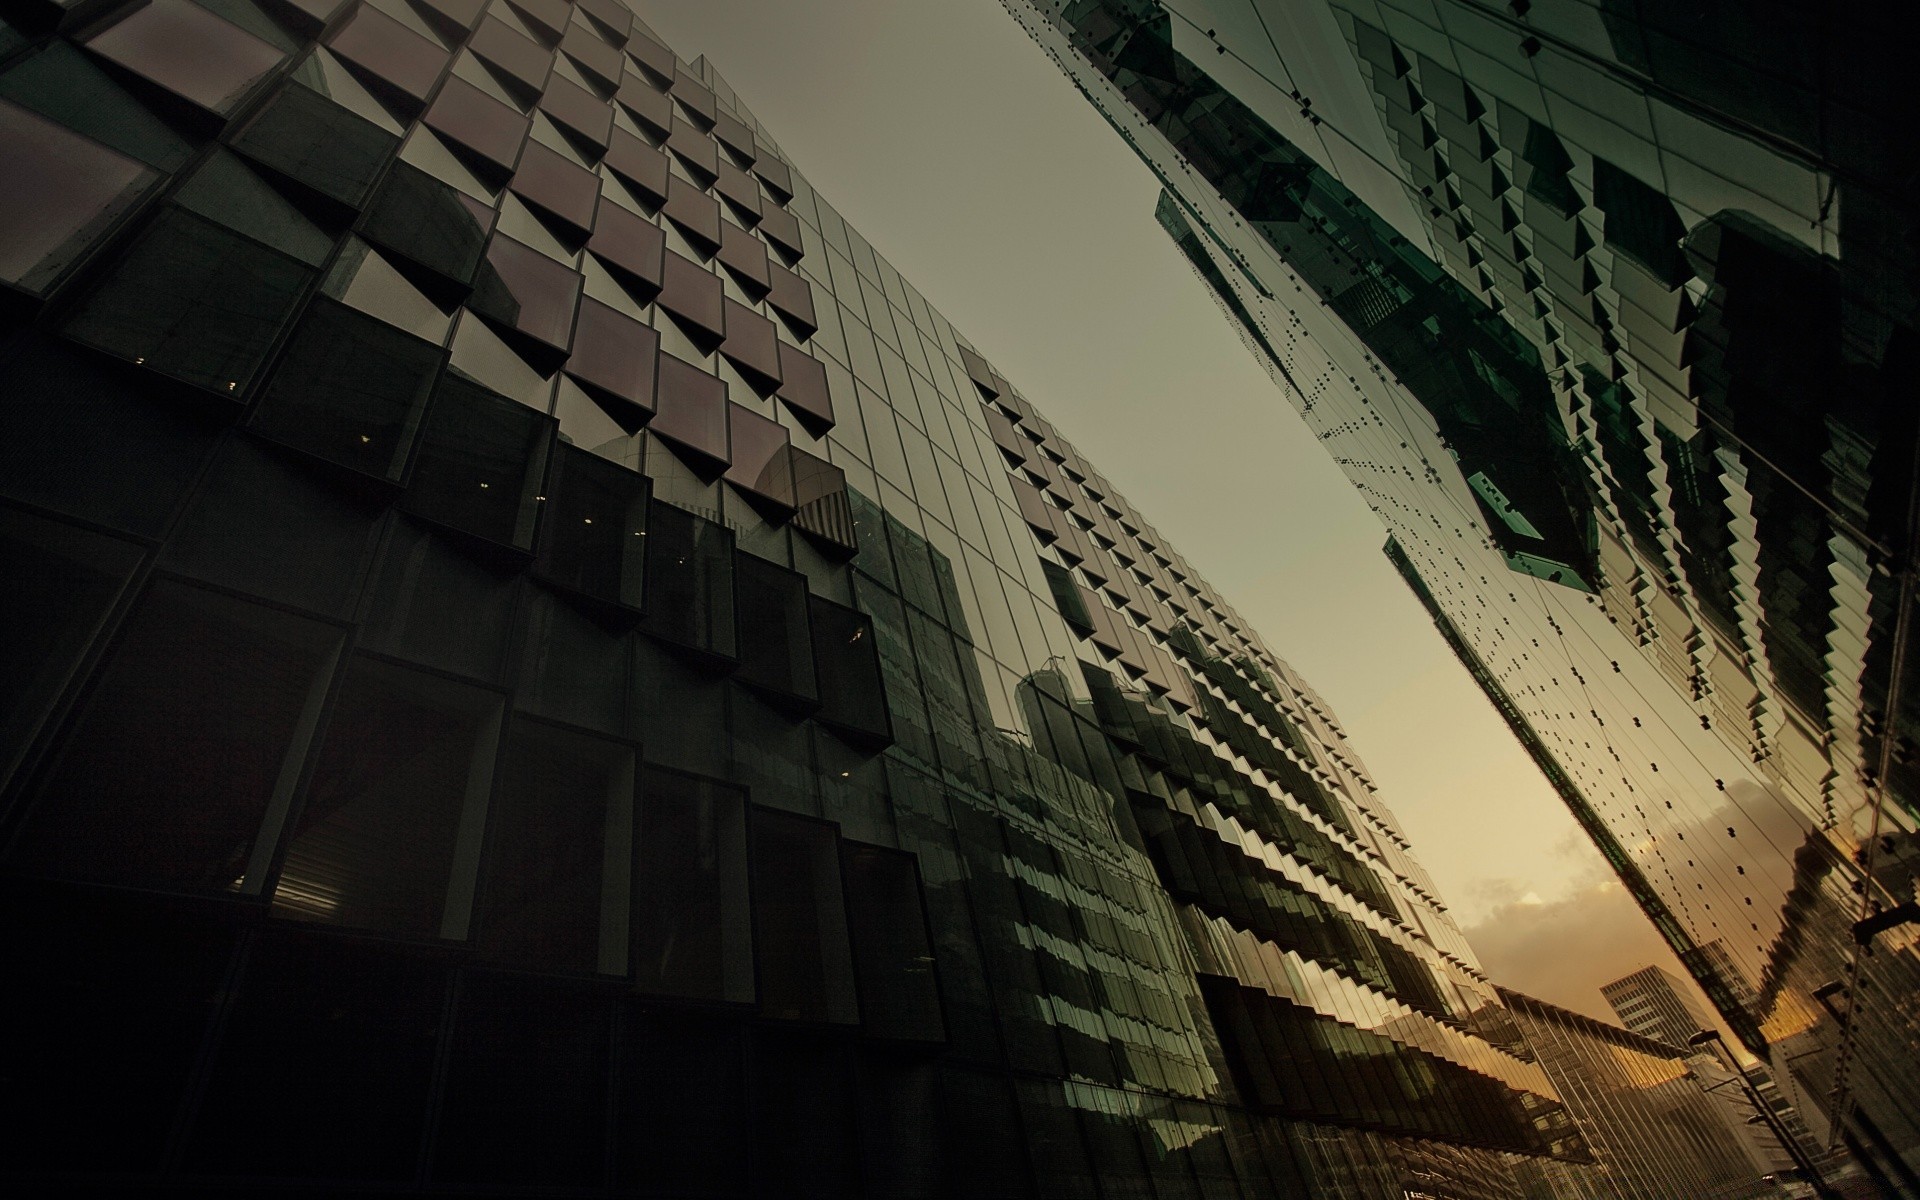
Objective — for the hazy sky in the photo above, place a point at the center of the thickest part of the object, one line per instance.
(947, 138)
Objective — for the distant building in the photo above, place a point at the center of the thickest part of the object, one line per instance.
(1653, 1134)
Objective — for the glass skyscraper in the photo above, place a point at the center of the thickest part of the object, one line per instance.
(533, 662)
(1606, 308)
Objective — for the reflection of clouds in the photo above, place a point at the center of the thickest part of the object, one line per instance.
(1559, 950)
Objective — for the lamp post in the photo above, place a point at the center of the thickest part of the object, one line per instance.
(1710, 1038)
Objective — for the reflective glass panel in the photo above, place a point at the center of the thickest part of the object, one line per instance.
(187, 50)
(79, 189)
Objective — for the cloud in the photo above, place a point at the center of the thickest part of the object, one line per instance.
(1562, 950)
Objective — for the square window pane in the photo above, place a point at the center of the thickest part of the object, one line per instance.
(68, 192)
(555, 889)
(350, 389)
(692, 929)
(310, 139)
(178, 803)
(762, 464)
(194, 301)
(563, 189)
(422, 219)
(376, 43)
(593, 535)
(481, 465)
(394, 809)
(690, 411)
(479, 123)
(188, 51)
(806, 963)
(65, 85)
(525, 290)
(776, 645)
(615, 355)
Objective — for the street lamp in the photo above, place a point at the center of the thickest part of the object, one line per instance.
(1711, 1039)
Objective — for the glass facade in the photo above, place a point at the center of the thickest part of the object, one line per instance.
(1606, 309)
(535, 663)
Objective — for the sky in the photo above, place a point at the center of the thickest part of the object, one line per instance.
(942, 133)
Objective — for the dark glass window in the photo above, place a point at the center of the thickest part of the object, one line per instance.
(388, 50)
(481, 464)
(179, 802)
(573, 667)
(762, 463)
(1641, 223)
(430, 604)
(480, 123)
(776, 645)
(427, 222)
(80, 188)
(690, 410)
(892, 955)
(690, 581)
(64, 582)
(853, 697)
(61, 83)
(350, 389)
(692, 928)
(110, 990)
(803, 385)
(557, 186)
(324, 1063)
(308, 138)
(389, 836)
(615, 355)
(194, 301)
(226, 190)
(752, 345)
(82, 440)
(263, 525)
(523, 289)
(633, 246)
(806, 964)
(554, 895)
(682, 1109)
(188, 51)
(526, 1088)
(593, 536)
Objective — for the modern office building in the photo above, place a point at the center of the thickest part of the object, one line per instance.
(534, 662)
(1606, 309)
(1653, 1133)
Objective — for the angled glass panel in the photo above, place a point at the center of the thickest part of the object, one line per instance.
(690, 411)
(574, 667)
(396, 806)
(805, 960)
(643, 168)
(527, 291)
(581, 113)
(226, 190)
(179, 803)
(188, 51)
(693, 294)
(308, 138)
(847, 663)
(762, 465)
(479, 123)
(563, 189)
(689, 593)
(593, 535)
(746, 256)
(892, 954)
(555, 886)
(803, 386)
(69, 192)
(792, 297)
(430, 603)
(351, 389)
(407, 62)
(776, 642)
(423, 220)
(194, 301)
(752, 345)
(615, 355)
(66, 86)
(601, 61)
(481, 464)
(692, 927)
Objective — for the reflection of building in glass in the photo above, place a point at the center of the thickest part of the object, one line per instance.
(1654, 1004)
(1654, 1133)
(528, 670)
(1607, 311)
